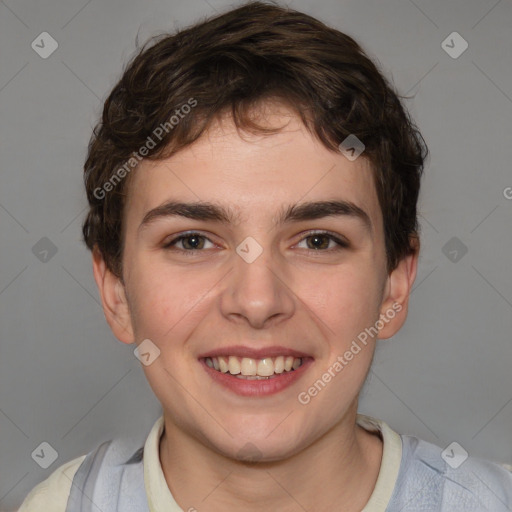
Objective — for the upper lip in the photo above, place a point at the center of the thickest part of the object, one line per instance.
(253, 353)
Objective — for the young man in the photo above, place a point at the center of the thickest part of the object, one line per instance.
(253, 188)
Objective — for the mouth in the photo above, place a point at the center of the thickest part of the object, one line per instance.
(256, 373)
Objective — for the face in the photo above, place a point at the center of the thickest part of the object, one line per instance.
(261, 248)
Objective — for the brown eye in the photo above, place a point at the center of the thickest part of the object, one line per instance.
(318, 242)
(193, 242)
(323, 241)
(188, 242)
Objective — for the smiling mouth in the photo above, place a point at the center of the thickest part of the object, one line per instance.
(247, 368)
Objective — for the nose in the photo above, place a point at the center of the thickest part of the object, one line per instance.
(258, 293)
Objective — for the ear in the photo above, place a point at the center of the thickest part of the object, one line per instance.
(113, 298)
(395, 304)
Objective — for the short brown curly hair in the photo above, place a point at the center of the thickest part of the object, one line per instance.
(228, 64)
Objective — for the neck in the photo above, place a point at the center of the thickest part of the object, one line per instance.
(344, 463)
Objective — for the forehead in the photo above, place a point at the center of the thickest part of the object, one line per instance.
(254, 175)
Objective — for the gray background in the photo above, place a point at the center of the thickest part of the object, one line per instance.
(64, 379)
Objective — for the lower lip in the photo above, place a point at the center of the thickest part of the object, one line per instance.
(262, 387)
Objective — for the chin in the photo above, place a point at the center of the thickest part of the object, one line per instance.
(259, 447)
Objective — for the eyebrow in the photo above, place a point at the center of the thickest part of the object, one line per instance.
(294, 213)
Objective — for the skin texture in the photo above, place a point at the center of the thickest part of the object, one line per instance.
(313, 300)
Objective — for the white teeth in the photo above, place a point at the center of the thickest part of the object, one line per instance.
(279, 364)
(265, 367)
(234, 365)
(223, 365)
(250, 368)
(254, 377)
(296, 363)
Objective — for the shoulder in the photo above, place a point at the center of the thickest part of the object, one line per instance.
(449, 479)
(109, 462)
(52, 493)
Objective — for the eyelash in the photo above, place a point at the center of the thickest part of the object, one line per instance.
(190, 252)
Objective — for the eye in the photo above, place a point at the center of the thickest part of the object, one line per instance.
(188, 242)
(323, 241)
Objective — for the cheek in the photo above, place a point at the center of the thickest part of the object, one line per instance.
(166, 304)
(346, 299)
